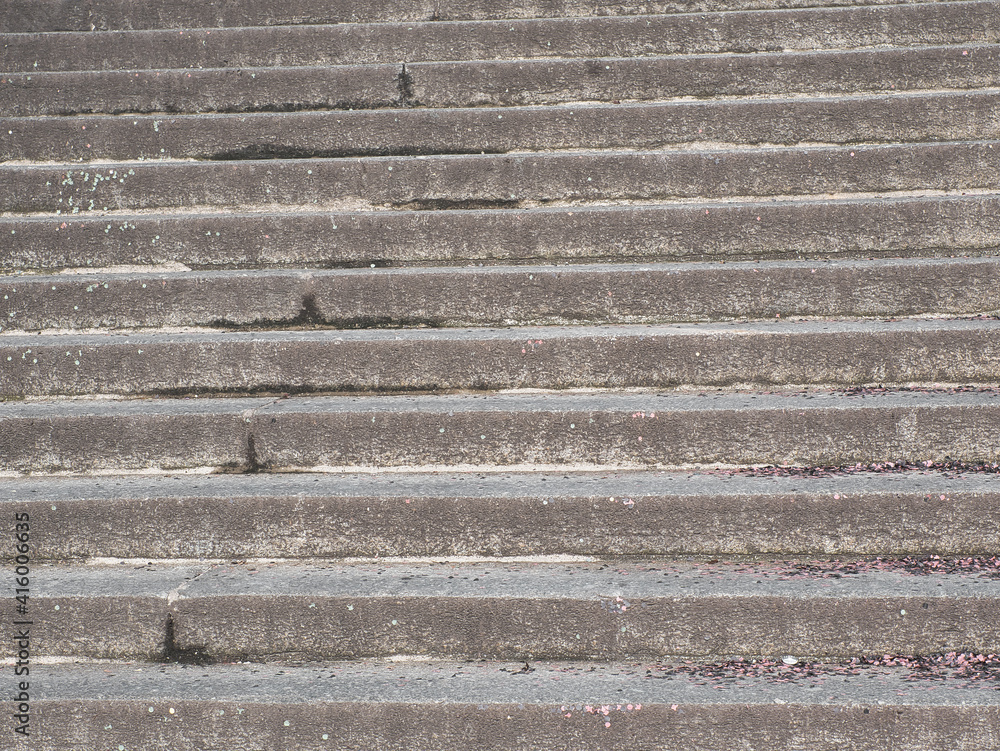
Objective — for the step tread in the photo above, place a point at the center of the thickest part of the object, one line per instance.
(506, 485)
(580, 684)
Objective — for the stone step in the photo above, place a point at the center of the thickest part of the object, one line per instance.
(850, 120)
(746, 355)
(499, 83)
(888, 512)
(508, 610)
(966, 22)
(414, 706)
(564, 430)
(58, 15)
(501, 296)
(815, 228)
(442, 182)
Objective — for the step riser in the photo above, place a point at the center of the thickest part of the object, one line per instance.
(137, 366)
(229, 628)
(812, 29)
(902, 118)
(462, 182)
(805, 523)
(291, 434)
(732, 232)
(502, 296)
(498, 84)
(319, 627)
(319, 726)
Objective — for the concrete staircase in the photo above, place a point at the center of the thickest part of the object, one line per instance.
(510, 375)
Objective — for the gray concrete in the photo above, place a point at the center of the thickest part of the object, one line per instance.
(758, 355)
(901, 118)
(499, 83)
(969, 21)
(108, 613)
(574, 611)
(508, 514)
(100, 436)
(498, 295)
(844, 228)
(627, 430)
(501, 181)
(461, 705)
(58, 15)
(507, 611)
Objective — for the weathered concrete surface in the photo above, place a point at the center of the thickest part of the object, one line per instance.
(632, 430)
(197, 90)
(61, 15)
(497, 295)
(499, 83)
(97, 435)
(576, 611)
(854, 227)
(508, 514)
(967, 22)
(106, 613)
(127, 300)
(901, 118)
(502, 181)
(755, 355)
(406, 706)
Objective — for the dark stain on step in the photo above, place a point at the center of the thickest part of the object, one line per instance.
(404, 83)
(186, 655)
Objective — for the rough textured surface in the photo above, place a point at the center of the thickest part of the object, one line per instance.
(760, 355)
(80, 724)
(499, 83)
(504, 181)
(631, 430)
(605, 514)
(88, 436)
(901, 118)
(833, 162)
(842, 228)
(113, 613)
(573, 611)
(608, 36)
(61, 15)
(497, 295)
